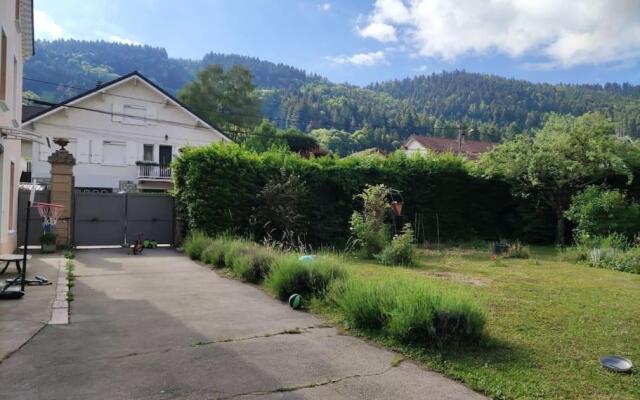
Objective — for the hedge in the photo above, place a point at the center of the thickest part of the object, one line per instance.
(216, 187)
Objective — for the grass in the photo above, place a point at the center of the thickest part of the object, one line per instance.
(548, 319)
(548, 322)
(308, 279)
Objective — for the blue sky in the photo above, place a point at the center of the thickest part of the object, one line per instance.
(363, 41)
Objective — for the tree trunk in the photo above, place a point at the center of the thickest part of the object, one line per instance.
(560, 229)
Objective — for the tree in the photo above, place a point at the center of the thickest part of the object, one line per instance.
(600, 212)
(566, 155)
(264, 137)
(225, 99)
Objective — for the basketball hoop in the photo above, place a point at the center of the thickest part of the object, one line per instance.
(49, 213)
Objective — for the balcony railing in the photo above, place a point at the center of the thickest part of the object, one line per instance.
(150, 171)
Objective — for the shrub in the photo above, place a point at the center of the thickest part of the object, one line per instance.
(214, 253)
(517, 250)
(401, 250)
(365, 304)
(252, 264)
(369, 232)
(598, 212)
(278, 211)
(411, 311)
(195, 244)
(610, 241)
(422, 315)
(309, 279)
(616, 259)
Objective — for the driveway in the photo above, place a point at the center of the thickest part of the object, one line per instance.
(159, 326)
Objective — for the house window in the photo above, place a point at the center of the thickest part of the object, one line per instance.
(3, 67)
(134, 115)
(114, 153)
(148, 152)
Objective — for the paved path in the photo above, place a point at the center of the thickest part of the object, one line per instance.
(23, 318)
(159, 326)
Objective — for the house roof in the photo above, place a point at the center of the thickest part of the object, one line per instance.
(471, 148)
(100, 88)
(30, 111)
(373, 151)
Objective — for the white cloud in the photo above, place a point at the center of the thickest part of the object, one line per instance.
(379, 31)
(120, 39)
(45, 27)
(360, 59)
(560, 33)
(325, 6)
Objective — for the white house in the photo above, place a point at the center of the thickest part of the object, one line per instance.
(123, 135)
(16, 46)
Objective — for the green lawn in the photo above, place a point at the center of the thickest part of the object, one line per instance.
(548, 323)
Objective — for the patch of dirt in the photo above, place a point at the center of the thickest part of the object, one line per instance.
(454, 276)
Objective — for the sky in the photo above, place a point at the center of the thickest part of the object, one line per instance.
(364, 41)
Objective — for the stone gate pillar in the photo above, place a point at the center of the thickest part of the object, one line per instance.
(62, 184)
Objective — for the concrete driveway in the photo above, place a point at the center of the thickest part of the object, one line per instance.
(159, 326)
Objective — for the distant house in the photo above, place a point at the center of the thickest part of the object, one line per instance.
(123, 135)
(471, 149)
(373, 151)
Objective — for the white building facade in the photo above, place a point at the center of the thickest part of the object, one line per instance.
(16, 46)
(123, 135)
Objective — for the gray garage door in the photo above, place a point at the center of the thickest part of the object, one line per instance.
(102, 219)
(150, 214)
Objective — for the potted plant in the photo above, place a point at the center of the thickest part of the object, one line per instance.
(48, 242)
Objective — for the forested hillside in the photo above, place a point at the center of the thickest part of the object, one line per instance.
(381, 114)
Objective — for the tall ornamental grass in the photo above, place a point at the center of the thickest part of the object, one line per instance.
(289, 275)
(411, 311)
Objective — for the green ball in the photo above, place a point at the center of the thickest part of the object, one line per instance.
(295, 301)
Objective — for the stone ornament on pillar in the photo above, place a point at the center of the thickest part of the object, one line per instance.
(62, 184)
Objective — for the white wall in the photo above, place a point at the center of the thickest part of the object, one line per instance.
(413, 147)
(88, 132)
(10, 117)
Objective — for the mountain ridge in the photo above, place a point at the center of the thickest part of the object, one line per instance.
(388, 111)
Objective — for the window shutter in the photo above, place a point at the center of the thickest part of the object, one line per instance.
(117, 110)
(132, 153)
(96, 151)
(83, 150)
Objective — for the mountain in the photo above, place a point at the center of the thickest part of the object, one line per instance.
(381, 114)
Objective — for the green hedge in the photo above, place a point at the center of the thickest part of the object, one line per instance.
(216, 187)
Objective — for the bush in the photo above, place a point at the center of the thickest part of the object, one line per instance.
(401, 250)
(252, 264)
(610, 241)
(619, 260)
(422, 315)
(215, 252)
(195, 244)
(517, 250)
(309, 279)
(411, 311)
(365, 304)
(369, 232)
(598, 212)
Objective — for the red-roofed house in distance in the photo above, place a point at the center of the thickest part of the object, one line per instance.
(472, 149)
